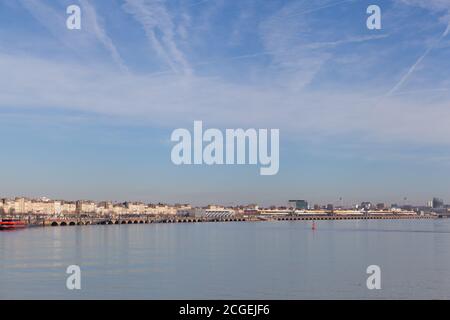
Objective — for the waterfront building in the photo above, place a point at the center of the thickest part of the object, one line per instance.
(8, 206)
(68, 207)
(366, 205)
(437, 203)
(175, 210)
(275, 211)
(311, 212)
(163, 209)
(119, 209)
(298, 204)
(44, 207)
(183, 206)
(135, 207)
(208, 212)
(105, 205)
(84, 206)
(57, 207)
(347, 212)
(104, 208)
(249, 212)
(252, 206)
(22, 205)
(185, 212)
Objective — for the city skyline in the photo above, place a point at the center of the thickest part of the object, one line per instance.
(88, 113)
(434, 202)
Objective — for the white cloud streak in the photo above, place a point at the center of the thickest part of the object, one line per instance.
(175, 100)
(178, 97)
(92, 30)
(320, 8)
(413, 68)
(434, 5)
(160, 30)
(99, 31)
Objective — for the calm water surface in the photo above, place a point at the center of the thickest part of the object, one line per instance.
(243, 260)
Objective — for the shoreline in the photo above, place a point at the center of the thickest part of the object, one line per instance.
(75, 221)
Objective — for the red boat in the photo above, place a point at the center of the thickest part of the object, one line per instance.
(12, 224)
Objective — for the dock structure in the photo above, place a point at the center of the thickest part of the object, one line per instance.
(356, 217)
(93, 220)
(88, 221)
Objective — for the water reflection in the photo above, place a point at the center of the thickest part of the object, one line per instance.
(280, 260)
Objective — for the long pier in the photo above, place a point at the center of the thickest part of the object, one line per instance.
(82, 221)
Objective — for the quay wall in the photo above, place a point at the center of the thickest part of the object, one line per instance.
(54, 222)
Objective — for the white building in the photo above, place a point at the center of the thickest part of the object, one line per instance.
(215, 212)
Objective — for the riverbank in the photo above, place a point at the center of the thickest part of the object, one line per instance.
(74, 221)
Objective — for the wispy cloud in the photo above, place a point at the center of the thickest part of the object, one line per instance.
(319, 7)
(160, 30)
(433, 5)
(287, 52)
(418, 62)
(300, 48)
(92, 29)
(198, 3)
(428, 4)
(95, 24)
(50, 18)
(295, 53)
(151, 100)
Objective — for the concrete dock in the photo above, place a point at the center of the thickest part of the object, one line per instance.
(74, 221)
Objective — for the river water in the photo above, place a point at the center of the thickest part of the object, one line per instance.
(235, 260)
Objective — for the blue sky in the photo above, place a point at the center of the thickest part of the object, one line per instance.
(363, 114)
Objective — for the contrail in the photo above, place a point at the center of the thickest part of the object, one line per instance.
(101, 35)
(415, 65)
(319, 8)
(311, 46)
(197, 3)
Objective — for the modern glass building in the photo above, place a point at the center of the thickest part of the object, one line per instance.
(299, 204)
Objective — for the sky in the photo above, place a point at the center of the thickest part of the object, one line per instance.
(364, 115)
